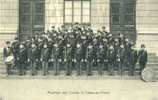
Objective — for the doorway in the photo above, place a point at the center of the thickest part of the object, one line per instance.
(123, 18)
(31, 18)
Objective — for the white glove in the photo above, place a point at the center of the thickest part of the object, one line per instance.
(52, 60)
(75, 60)
(59, 60)
(64, 60)
(28, 60)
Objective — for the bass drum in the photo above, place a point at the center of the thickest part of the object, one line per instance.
(149, 74)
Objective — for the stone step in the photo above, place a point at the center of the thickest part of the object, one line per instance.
(40, 73)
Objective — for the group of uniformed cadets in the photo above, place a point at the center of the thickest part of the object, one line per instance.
(77, 48)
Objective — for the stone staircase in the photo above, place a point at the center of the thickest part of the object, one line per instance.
(152, 62)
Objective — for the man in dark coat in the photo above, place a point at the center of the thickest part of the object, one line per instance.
(45, 59)
(22, 59)
(132, 60)
(32, 58)
(39, 48)
(111, 57)
(104, 32)
(105, 53)
(6, 53)
(116, 48)
(127, 53)
(15, 51)
(90, 59)
(120, 59)
(69, 59)
(78, 58)
(142, 57)
(55, 58)
(100, 59)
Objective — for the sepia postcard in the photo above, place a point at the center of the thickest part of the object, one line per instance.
(78, 49)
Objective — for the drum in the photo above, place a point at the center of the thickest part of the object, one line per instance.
(9, 60)
(148, 74)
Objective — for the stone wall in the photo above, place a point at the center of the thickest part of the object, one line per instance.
(147, 24)
(8, 16)
(8, 20)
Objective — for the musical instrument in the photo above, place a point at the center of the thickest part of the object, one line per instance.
(9, 60)
(149, 74)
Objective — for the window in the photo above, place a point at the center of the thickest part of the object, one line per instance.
(115, 13)
(129, 14)
(77, 11)
(39, 8)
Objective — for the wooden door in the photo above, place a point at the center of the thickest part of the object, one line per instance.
(31, 17)
(123, 18)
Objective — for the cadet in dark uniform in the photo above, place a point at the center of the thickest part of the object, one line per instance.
(39, 48)
(110, 39)
(104, 32)
(105, 53)
(45, 58)
(54, 58)
(143, 58)
(127, 54)
(121, 38)
(78, 58)
(89, 59)
(120, 59)
(132, 60)
(27, 47)
(22, 59)
(69, 59)
(111, 57)
(6, 53)
(100, 59)
(15, 51)
(50, 47)
(61, 44)
(32, 58)
(95, 47)
(84, 51)
(116, 49)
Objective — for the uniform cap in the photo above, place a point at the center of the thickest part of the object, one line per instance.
(53, 26)
(16, 38)
(142, 45)
(7, 42)
(103, 27)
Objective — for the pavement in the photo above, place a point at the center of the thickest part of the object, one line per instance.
(76, 88)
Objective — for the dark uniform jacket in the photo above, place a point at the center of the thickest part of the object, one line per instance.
(15, 49)
(111, 56)
(45, 54)
(22, 55)
(78, 53)
(89, 54)
(143, 56)
(121, 54)
(133, 56)
(32, 54)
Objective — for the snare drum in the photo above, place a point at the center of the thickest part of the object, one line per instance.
(9, 60)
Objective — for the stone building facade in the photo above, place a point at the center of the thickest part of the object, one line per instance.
(97, 13)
